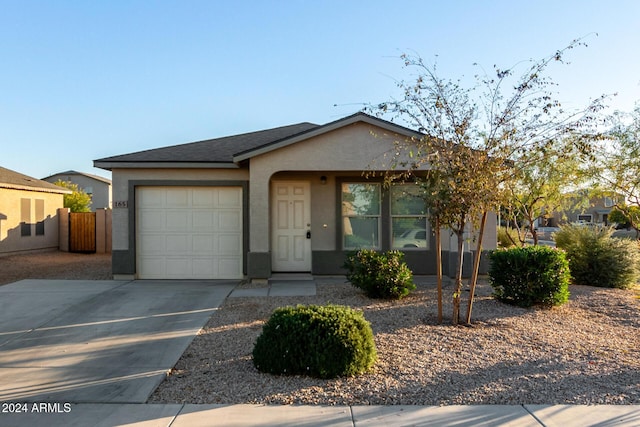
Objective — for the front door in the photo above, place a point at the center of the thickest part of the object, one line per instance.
(291, 226)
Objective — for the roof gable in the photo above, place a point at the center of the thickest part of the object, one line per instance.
(329, 127)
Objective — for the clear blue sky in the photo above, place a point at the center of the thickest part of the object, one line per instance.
(82, 80)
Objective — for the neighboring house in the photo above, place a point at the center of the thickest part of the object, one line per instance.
(288, 199)
(28, 213)
(594, 211)
(97, 187)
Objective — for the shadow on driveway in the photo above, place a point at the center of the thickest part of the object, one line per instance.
(98, 341)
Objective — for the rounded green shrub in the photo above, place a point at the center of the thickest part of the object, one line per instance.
(531, 275)
(598, 259)
(380, 275)
(320, 341)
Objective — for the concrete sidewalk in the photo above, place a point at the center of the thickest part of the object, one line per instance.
(178, 415)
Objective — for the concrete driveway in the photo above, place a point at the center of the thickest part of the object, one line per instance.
(97, 341)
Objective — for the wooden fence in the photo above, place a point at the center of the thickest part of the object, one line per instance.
(82, 232)
(85, 232)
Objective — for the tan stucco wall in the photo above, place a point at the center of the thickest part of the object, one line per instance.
(11, 239)
(356, 147)
(120, 184)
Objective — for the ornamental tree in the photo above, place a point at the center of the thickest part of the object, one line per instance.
(476, 140)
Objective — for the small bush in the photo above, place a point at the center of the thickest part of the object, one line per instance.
(319, 341)
(380, 275)
(508, 237)
(597, 259)
(532, 275)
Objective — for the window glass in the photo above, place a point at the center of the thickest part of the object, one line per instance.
(406, 199)
(360, 199)
(408, 217)
(361, 215)
(409, 232)
(361, 232)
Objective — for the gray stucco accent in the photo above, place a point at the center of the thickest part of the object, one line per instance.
(259, 265)
(420, 262)
(124, 261)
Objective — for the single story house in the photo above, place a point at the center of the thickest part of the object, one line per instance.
(28, 213)
(97, 187)
(288, 199)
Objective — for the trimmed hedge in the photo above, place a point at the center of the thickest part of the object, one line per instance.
(531, 275)
(319, 341)
(380, 275)
(598, 259)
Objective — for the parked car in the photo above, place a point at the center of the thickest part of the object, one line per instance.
(413, 238)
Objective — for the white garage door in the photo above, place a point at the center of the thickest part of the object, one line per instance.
(189, 232)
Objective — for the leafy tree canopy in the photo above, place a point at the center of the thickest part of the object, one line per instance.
(78, 200)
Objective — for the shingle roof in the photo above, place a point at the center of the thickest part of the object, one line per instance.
(218, 150)
(235, 148)
(16, 180)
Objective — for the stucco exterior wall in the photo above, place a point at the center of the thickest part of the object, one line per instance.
(356, 147)
(11, 215)
(122, 177)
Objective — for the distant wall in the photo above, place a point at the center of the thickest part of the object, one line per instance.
(28, 220)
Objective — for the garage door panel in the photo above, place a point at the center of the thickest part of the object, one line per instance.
(229, 244)
(229, 197)
(177, 220)
(228, 268)
(177, 198)
(189, 232)
(203, 268)
(203, 245)
(151, 267)
(151, 219)
(178, 244)
(230, 220)
(151, 197)
(152, 244)
(178, 267)
(204, 198)
(203, 219)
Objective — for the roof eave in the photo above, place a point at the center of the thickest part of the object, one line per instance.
(110, 165)
(59, 190)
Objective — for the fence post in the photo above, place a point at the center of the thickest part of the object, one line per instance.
(108, 229)
(100, 231)
(63, 229)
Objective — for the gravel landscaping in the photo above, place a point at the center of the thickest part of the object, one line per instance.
(585, 352)
(55, 265)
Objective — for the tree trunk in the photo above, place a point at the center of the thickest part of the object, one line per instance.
(458, 288)
(439, 268)
(476, 267)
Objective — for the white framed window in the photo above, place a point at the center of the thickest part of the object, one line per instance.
(361, 212)
(585, 218)
(608, 202)
(409, 224)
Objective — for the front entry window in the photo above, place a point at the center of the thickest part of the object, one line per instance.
(361, 215)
